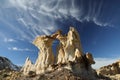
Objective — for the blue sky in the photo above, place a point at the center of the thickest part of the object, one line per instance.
(98, 23)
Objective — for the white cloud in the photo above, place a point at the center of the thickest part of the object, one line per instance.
(100, 62)
(72, 9)
(19, 49)
(22, 21)
(46, 31)
(18, 3)
(51, 28)
(9, 40)
(101, 23)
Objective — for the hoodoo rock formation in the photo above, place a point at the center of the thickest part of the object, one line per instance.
(68, 45)
(45, 57)
(70, 55)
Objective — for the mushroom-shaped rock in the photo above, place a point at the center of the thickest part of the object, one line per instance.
(45, 57)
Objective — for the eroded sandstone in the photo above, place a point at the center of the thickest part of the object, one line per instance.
(70, 55)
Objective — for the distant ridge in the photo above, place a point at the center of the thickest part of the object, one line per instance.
(112, 71)
(5, 63)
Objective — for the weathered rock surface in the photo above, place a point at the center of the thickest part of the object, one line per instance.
(90, 58)
(7, 74)
(45, 57)
(68, 45)
(27, 67)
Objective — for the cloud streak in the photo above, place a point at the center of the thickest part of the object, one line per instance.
(19, 49)
(9, 40)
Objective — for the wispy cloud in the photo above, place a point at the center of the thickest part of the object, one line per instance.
(18, 3)
(72, 9)
(100, 62)
(101, 23)
(40, 17)
(9, 40)
(19, 49)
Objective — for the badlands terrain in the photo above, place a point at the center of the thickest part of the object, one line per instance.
(70, 63)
